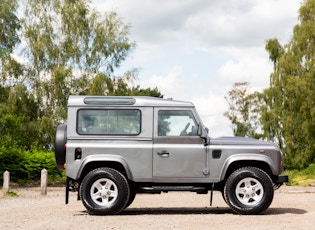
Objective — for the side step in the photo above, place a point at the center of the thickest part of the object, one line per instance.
(159, 189)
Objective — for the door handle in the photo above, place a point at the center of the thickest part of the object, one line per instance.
(164, 153)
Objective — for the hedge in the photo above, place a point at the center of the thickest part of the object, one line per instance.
(26, 166)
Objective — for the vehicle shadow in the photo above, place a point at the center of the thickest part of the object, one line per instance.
(176, 211)
(204, 211)
(280, 211)
(198, 211)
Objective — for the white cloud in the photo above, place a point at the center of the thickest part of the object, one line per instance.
(211, 108)
(216, 23)
(19, 59)
(146, 54)
(242, 23)
(251, 65)
(196, 49)
(168, 84)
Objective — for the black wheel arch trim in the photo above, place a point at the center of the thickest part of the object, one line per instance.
(246, 157)
(104, 158)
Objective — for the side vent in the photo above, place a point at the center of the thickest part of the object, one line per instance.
(78, 154)
(216, 154)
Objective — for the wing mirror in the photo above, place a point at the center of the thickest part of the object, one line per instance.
(202, 132)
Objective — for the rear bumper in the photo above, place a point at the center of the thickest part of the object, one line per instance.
(282, 179)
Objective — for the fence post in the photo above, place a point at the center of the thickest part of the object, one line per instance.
(43, 182)
(6, 182)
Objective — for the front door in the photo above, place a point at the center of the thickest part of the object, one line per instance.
(178, 151)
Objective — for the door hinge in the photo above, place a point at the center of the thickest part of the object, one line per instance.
(205, 172)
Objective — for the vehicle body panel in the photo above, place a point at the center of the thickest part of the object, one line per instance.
(150, 157)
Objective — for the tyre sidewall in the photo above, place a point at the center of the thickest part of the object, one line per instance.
(60, 150)
(122, 186)
(235, 178)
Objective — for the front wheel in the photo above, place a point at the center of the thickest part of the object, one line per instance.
(104, 191)
(248, 191)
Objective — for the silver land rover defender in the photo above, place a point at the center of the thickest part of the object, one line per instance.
(113, 148)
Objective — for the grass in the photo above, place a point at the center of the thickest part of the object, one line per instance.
(305, 177)
(12, 194)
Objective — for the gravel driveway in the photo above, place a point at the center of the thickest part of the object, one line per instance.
(292, 208)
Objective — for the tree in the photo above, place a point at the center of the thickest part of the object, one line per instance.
(18, 120)
(72, 49)
(9, 26)
(271, 110)
(289, 114)
(243, 110)
(71, 44)
(9, 38)
(69, 49)
(16, 107)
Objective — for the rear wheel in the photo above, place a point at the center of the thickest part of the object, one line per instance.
(104, 191)
(248, 191)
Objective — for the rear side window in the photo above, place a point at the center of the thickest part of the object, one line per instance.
(109, 122)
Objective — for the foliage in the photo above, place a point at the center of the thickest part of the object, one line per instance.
(26, 166)
(284, 112)
(12, 194)
(18, 122)
(289, 115)
(243, 110)
(9, 26)
(303, 177)
(67, 49)
(14, 161)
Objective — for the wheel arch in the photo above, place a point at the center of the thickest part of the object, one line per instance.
(94, 161)
(233, 163)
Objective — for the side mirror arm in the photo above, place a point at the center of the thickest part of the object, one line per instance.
(203, 133)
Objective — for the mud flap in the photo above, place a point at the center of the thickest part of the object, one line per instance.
(211, 194)
(67, 190)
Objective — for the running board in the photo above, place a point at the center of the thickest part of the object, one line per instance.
(159, 189)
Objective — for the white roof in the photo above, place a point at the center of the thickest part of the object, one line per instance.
(125, 101)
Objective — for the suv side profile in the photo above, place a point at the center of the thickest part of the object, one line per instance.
(113, 148)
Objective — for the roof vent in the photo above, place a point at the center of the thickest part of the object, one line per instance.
(109, 101)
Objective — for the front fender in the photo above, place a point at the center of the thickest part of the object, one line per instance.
(247, 157)
(104, 158)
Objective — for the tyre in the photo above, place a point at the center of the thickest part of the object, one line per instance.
(248, 191)
(104, 191)
(60, 148)
(131, 198)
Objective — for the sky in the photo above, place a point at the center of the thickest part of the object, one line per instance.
(195, 50)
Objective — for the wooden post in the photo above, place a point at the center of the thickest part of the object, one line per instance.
(43, 182)
(6, 182)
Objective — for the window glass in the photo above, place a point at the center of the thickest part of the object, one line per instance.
(109, 122)
(177, 123)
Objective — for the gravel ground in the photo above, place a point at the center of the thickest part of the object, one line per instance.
(292, 208)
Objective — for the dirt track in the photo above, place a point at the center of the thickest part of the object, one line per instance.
(292, 208)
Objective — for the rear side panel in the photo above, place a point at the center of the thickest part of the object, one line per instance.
(134, 150)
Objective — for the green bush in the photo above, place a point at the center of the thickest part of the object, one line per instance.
(303, 177)
(310, 170)
(26, 166)
(14, 161)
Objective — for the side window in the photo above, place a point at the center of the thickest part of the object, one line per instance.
(109, 122)
(177, 123)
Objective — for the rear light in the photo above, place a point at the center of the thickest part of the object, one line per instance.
(64, 165)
